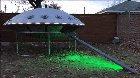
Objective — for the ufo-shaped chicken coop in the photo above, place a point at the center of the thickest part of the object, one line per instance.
(42, 20)
(45, 17)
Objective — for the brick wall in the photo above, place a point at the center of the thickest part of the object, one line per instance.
(4, 17)
(6, 35)
(128, 29)
(99, 27)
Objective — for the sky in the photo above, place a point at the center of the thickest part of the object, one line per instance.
(68, 6)
(71, 7)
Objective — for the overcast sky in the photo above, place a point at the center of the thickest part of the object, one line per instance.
(69, 6)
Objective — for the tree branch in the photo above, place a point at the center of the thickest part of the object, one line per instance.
(33, 3)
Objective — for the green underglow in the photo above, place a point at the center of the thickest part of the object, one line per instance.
(56, 36)
(54, 28)
(80, 60)
(53, 36)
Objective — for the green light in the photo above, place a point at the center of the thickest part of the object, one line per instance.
(90, 62)
(56, 35)
(73, 60)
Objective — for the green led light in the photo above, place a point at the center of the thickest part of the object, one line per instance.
(90, 62)
(74, 60)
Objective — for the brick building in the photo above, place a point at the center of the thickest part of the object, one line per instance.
(128, 24)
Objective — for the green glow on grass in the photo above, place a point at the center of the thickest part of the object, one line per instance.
(85, 61)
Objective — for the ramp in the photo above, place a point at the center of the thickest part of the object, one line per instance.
(100, 52)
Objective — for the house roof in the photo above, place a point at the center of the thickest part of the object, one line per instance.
(123, 7)
(44, 16)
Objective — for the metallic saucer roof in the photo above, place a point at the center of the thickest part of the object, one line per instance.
(45, 16)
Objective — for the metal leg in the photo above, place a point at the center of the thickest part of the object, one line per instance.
(17, 46)
(49, 45)
(75, 45)
(69, 44)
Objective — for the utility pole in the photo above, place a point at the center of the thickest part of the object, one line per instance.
(17, 9)
(0, 5)
(5, 8)
(84, 10)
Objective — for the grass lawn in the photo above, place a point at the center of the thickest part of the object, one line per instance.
(67, 64)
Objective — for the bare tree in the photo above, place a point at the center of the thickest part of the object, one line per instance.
(53, 5)
(37, 3)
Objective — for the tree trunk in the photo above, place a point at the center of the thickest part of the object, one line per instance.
(35, 3)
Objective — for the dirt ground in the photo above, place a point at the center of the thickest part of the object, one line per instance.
(15, 66)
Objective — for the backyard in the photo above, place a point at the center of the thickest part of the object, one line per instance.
(43, 42)
(68, 64)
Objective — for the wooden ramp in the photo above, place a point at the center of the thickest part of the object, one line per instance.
(100, 52)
